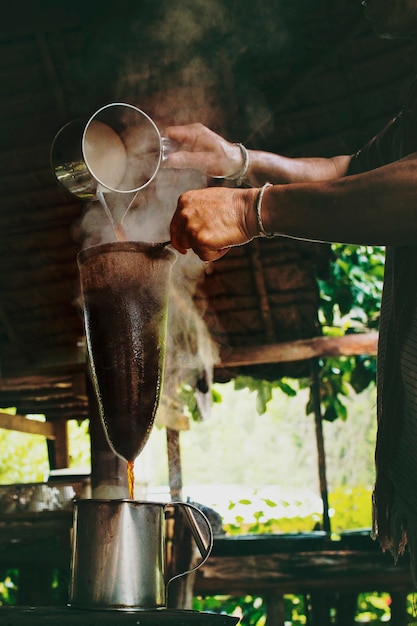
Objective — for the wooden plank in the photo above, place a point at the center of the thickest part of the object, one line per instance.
(58, 448)
(301, 572)
(355, 344)
(25, 425)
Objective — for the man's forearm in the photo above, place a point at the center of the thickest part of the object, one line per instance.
(265, 166)
(375, 208)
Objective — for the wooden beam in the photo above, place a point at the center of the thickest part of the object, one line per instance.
(300, 573)
(25, 425)
(355, 344)
(298, 568)
(58, 448)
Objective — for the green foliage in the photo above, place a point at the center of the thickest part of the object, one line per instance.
(338, 377)
(187, 396)
(350, 297)
(24, 457)
(8, 587)
(373, 608)
(273, 526)
(79, 444)
(249, 608)
(351, 508)
(264, 389)
(350, 301)
(252, 609)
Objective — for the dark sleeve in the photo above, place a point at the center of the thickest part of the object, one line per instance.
(395, 141)
(384, 148)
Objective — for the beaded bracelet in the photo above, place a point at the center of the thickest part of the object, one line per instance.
(240, 175)
(258, 206)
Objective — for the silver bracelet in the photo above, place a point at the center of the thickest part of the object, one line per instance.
(240, 175)
(258, 206)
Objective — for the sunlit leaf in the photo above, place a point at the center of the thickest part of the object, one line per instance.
(269, 502)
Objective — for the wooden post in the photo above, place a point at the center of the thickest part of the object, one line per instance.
(180, 591)
(174, 464)
(399, 615)
(58, 446)
(275, 609)
(315, 391)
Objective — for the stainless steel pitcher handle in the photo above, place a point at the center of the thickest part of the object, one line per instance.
(169, 146)
(201, 531)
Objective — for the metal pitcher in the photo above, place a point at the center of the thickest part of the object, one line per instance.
(118, 149)
(119, 552)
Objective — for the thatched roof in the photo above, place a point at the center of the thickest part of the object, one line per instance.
(301, 78)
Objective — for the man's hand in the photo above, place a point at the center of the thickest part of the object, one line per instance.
(202, 149)
(210, 221)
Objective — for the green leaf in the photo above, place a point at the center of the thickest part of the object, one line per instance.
(287, 389)
(216, 395)
(263, 397)
(330, 414)
(269, 502)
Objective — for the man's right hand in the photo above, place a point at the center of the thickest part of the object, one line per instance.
(210, 221)
(204, 150)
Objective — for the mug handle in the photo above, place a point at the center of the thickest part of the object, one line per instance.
(168, 146)
(200, 528)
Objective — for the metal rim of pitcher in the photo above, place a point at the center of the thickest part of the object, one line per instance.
(154, 126)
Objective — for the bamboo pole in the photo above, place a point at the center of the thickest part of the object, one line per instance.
(315, 391)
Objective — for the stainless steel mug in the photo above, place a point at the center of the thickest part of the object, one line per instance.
(118, 149)
(119, 552)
